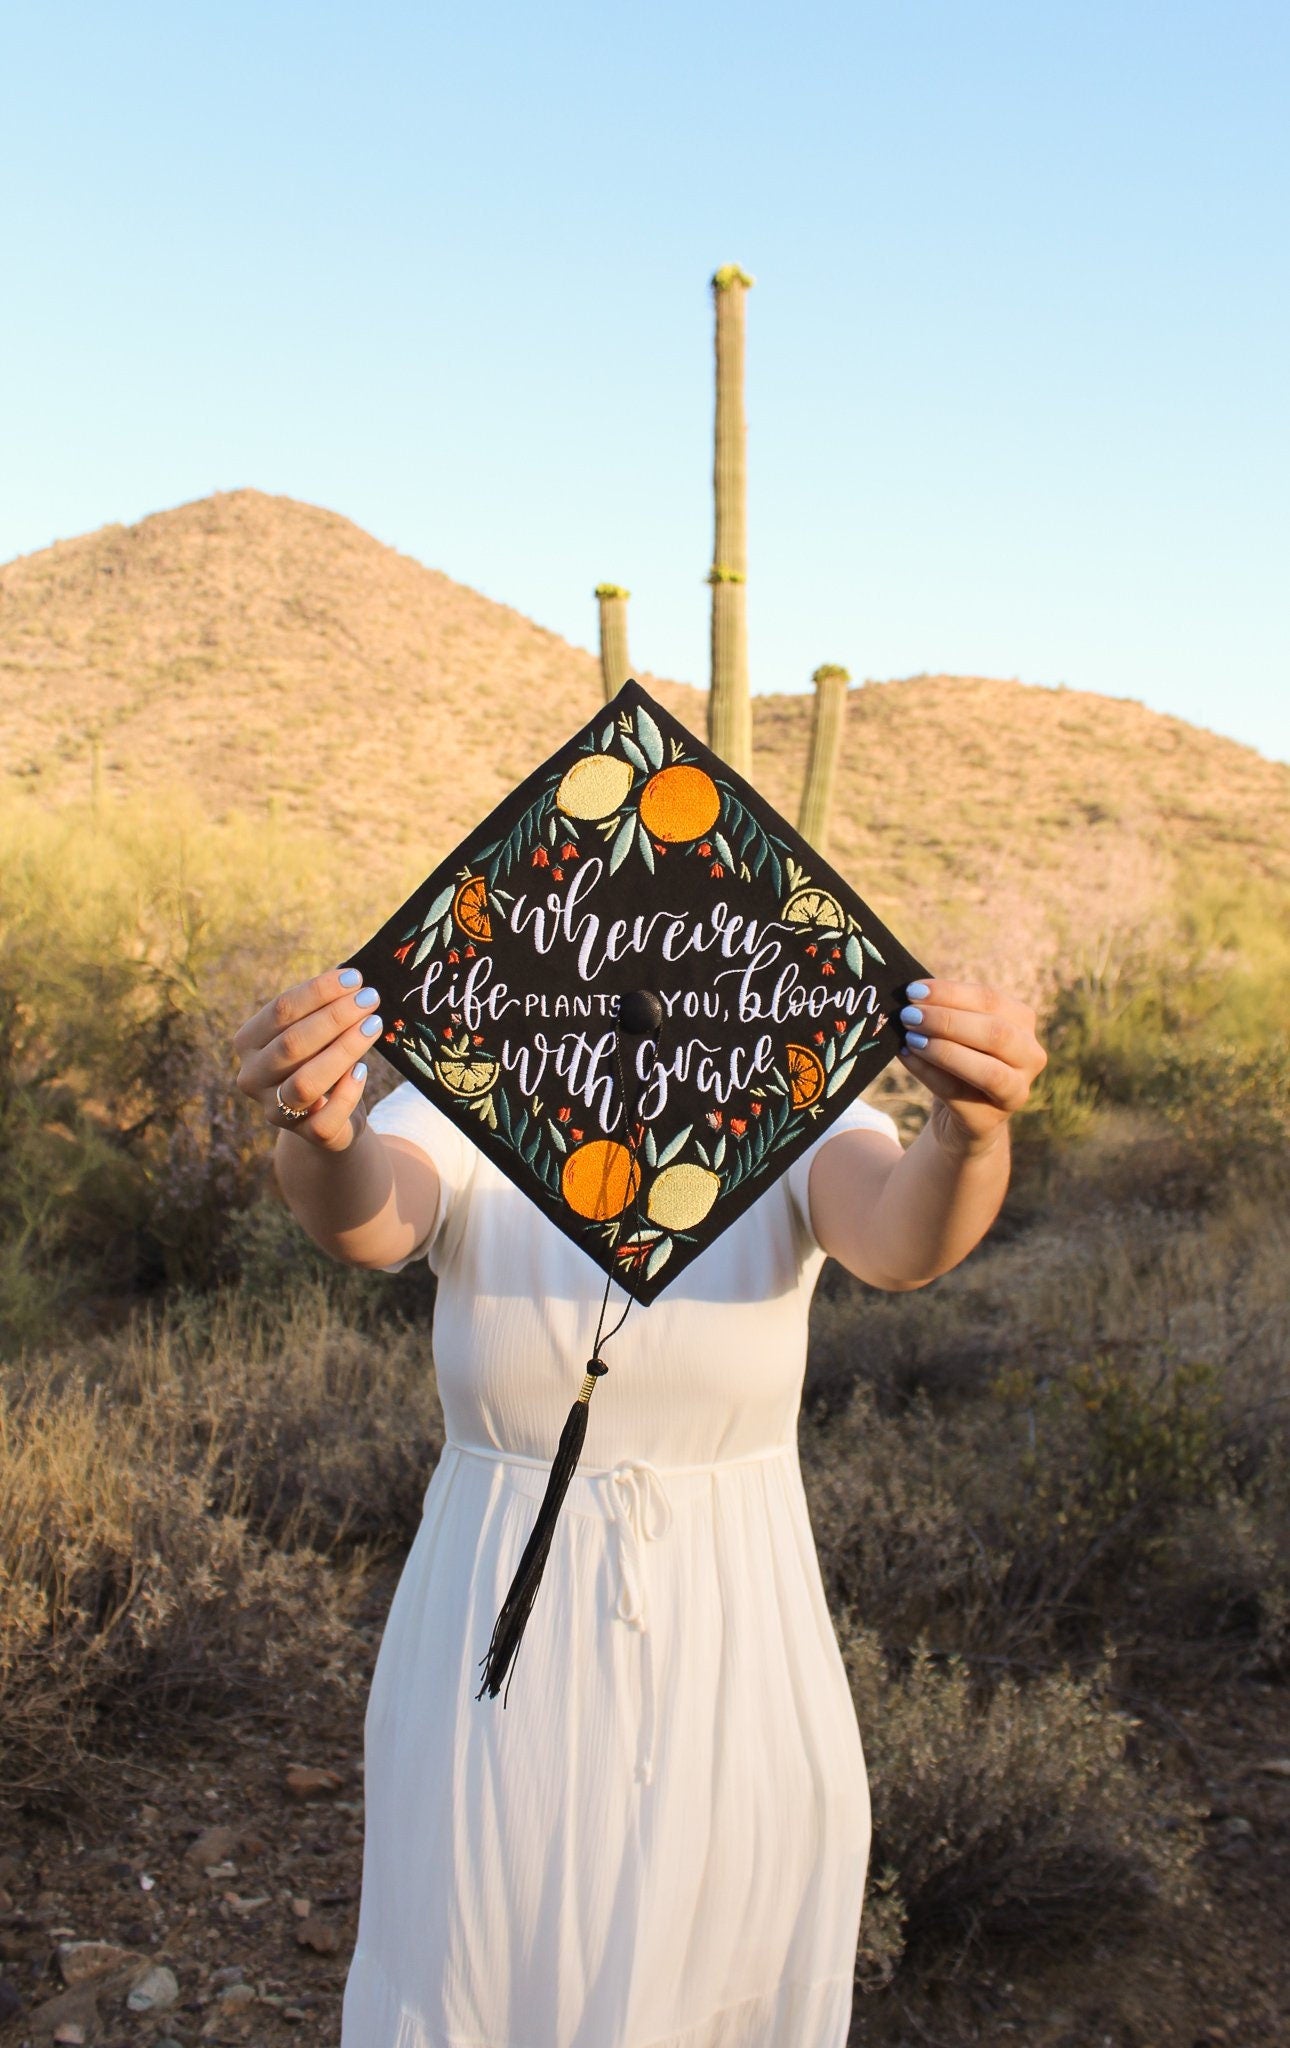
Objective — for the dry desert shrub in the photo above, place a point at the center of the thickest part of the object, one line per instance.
(1014, 1817)
(186, 1506)
(126, 1599)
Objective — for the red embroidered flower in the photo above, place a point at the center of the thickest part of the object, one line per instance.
(470, 952)
(812, 949)
(836, 953)
(576, 1135)
(454, 959)
(401, 952)
(389, 1036)
(564, 1114)
(569, 851)
(704, 850)
(477, 1038)
(841, 1024)
(818, 1037)
(541, 858)
(715, 1119)
(738, 1125)
(557, 874)
(658, 848)
(755, 1107)
(716, 868)
(827, 967)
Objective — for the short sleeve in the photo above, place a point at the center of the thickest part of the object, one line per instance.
(857, 1116)
(406, 1113)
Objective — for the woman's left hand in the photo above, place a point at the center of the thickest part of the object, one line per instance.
(980, 1058)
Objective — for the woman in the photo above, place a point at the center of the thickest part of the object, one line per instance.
(662, 1843)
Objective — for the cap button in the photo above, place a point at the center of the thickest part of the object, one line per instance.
(639, 1012)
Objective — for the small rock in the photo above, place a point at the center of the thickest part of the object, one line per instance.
(149, 1815)
(156, 1989)
(230, 1974)
(213, 1845)
(10, 2000)
(1236, 1826)
(294, 2012)
(318, 1935)
(236, 1997)
(79, 1961)
(74, 2008)
(1275, 1767)
(304, 1781)
(302, 1908)
(10, 1866)
(70, 2034)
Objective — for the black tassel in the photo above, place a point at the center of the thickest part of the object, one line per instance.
(517, 1606)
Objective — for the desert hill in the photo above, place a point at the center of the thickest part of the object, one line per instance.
(251, 648)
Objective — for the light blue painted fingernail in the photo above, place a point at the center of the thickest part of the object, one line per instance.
(918, 988)
(370, 1026)
(350, 977)
(915, 1038)
(359, 1073)
(909, 1015)
(366, 997)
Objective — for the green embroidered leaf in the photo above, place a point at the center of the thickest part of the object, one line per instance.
(442, 902)
(855, 958)
(650, 737)
(676, 1145)
(623, 843)
(658, 1258)
(647, 851)
(635, 755)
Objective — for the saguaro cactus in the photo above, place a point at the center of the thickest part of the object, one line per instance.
(826, 745)
(729, 708)
(614, 665)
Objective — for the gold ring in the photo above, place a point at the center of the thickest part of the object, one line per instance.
(293, 1115)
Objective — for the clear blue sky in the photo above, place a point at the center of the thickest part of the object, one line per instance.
(1018, 347)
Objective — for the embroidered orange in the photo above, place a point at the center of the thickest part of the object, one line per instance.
(679, 803)
(470, 908)
(805, 1076)
(599, 1179)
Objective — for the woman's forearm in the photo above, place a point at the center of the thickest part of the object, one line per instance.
(938, 1201)
(344, 1201)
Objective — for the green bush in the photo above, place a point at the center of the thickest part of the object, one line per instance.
(131, 947)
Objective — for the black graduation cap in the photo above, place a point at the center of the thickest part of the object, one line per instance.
(642, 994)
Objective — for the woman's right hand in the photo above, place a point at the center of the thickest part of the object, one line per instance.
(309, 1041)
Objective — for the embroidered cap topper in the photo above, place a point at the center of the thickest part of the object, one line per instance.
(634, 862)
(642, 994)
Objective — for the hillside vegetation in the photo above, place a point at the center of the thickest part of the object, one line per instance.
(252, 650)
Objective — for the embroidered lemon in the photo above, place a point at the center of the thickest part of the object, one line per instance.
(681, 1196)
(679, 803)
(595, 787)
(805, 1075)
(809, 905)
(599, 1179)
(464, 1076)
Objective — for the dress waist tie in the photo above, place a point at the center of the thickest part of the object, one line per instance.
(641, 1510)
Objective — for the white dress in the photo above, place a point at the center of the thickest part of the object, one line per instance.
(661, 1840)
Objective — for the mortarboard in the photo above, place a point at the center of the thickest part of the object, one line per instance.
(642, 994)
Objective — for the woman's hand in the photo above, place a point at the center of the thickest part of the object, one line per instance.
(309, 1042)
(977, 1051)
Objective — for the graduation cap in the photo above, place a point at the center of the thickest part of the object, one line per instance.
(642, 994)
